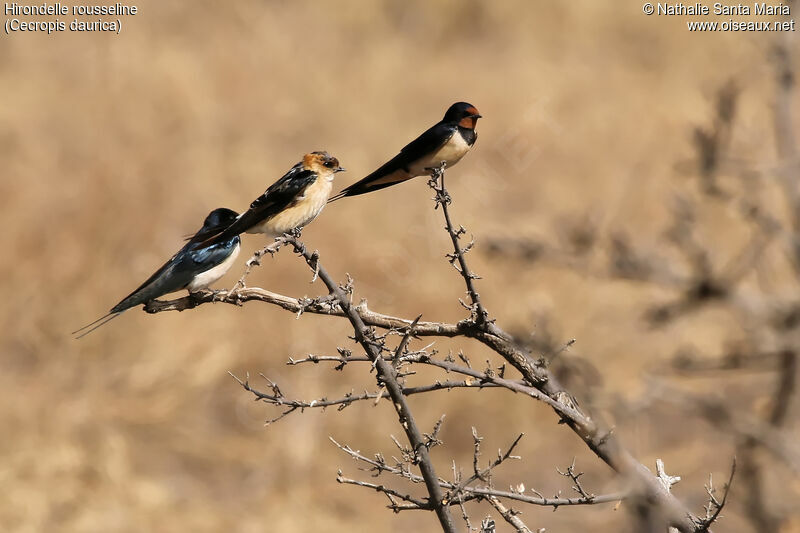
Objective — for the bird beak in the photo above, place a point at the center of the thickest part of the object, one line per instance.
(340, 169)
(476, 116)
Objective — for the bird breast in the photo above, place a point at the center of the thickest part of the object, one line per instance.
(302, 211)
(450, 152)
(204, 279)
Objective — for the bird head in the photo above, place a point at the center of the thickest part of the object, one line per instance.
(322, 163)
(219, 219)
(463, 114)
(216, 221)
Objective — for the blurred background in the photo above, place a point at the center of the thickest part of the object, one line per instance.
(628, 190)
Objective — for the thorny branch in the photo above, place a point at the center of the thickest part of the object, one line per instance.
(715, 505)
(509, 515)
(443, 200)
(278, 399)
(576, 483)
(458, 493)
(387, 376)
(485, 378)
(540, 383)
(271, 249)
(601, 441)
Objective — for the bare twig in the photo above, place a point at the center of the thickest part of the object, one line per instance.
(566, 409)
(665, 479)
(576, 484)
(483, 475)
(350, 398)
(416, 503)
(714, 506)
(255, 260)
(509, 515)
(443, 199)
(470, 492)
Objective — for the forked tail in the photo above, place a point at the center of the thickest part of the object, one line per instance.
(103, 320)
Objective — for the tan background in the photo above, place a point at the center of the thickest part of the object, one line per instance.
(113, 147)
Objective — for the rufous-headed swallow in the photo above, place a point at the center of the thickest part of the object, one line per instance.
(196, 266)
(290, 203)
(448, 141)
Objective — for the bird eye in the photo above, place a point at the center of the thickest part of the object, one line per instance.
(330, 163)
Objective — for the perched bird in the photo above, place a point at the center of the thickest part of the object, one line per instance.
(448, 141)
(194, 267)
(291, 202)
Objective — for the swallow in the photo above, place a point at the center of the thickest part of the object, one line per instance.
(290, 203)
(447, 141)
(194, 267)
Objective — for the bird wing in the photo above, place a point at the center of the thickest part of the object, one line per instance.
(208, 257)
(168, 278)
(174, 275)
(396, 170)
(280, 195)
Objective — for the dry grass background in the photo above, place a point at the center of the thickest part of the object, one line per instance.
(113, 147)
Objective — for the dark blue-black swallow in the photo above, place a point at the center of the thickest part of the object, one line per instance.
(448, 141)
(194, 267)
